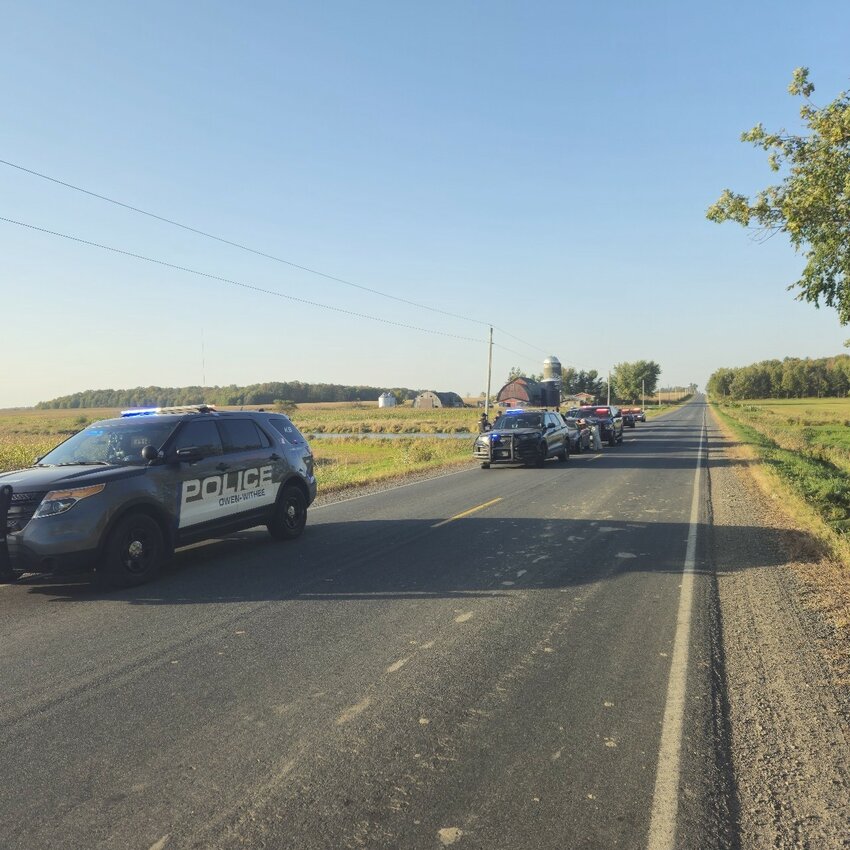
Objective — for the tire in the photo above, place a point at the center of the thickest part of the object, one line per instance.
(564, 454)
(135, 552)
(485, 465)
(290, 514)
(542, 454)
(612, 440)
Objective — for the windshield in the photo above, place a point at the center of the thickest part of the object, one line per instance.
(508, 421)
(113, 441)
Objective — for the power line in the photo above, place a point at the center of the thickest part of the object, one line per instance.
(259, 253)
(239, 283)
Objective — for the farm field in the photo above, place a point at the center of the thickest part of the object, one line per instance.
(806, 443)
(341, 462)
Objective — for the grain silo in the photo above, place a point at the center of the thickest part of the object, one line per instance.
(552, 381)
(551, 369)
(386, 400)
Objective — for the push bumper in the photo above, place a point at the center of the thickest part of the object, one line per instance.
(506, 449)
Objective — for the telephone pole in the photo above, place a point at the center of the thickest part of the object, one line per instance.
(489, 376)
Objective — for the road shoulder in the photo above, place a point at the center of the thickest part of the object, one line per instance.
(786, 663)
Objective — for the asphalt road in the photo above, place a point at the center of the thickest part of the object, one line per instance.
(509, 658)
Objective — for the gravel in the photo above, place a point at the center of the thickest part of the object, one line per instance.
(782, 605)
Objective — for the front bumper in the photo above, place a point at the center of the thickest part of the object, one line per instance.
(64, 543)
(506, 449)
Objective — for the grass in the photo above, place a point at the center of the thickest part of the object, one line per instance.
(353, 462)
(805, 444)
(341, 463)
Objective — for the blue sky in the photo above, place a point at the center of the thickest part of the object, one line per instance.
(542, 166)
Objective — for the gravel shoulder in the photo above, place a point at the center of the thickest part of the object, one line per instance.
(785, 610)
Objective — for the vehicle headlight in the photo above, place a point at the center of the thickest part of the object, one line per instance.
(59, 501)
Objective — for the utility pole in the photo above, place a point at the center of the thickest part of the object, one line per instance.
(609, 388)
(643, 390)
(489, 376)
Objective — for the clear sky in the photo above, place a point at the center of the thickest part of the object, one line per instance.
(542, 166)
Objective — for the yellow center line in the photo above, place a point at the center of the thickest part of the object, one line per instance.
(467, 513)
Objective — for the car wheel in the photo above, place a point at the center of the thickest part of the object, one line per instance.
(290, 515)
(612, 440)
(564, 454)
(134, 553)
(485, 465)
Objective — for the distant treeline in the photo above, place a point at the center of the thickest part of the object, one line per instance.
(788, 378)
(294, 391)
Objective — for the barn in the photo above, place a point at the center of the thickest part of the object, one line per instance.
(524, 392)
(431, 398)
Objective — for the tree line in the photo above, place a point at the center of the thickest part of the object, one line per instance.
(789, 378)
(268, 393)
(629, 381)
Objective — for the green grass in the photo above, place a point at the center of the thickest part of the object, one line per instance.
(806, 445)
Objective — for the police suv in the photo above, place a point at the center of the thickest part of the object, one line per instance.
(121, 494)
(523, 436)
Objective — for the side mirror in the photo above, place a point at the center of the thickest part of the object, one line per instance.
(149, 453)
(550, 426)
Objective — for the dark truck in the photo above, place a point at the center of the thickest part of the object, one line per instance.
(528, 437)
(607, 417)
(121, 494)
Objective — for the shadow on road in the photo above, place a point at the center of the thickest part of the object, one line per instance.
(410, 559)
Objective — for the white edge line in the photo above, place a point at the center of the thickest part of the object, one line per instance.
(665, 799)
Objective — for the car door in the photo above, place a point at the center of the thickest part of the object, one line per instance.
(554, 434)
(248, 485)
(197, 451)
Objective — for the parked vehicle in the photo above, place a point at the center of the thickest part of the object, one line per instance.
(579, 434)
(121, 494)
(529, 437)
(609, 419)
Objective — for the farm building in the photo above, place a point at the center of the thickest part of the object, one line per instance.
(430, 399)
(524, 392)
(386, 400)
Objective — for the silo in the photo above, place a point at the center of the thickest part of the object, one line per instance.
(551, 369)
(386, 400)
(552, 381)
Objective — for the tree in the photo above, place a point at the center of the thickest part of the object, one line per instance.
(812, 203)
(517, 372)
(631, 380)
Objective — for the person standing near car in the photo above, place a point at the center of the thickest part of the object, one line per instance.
(595, 437)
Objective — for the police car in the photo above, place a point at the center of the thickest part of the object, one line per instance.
(523, 436)
(121, 494)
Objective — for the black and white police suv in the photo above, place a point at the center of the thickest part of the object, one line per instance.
(121, 494)
(523, 436)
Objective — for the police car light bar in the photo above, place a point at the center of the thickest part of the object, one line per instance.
(184, 408)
